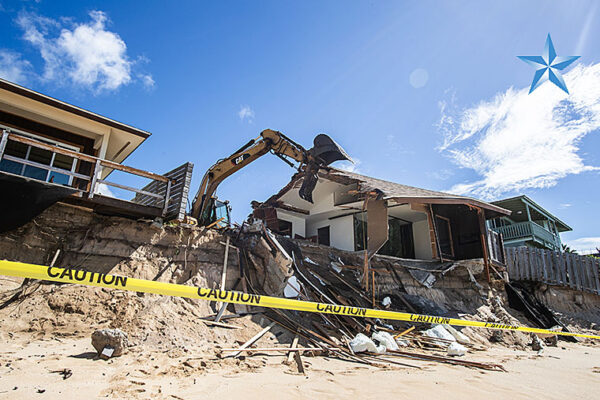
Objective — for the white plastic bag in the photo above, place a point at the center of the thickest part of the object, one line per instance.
(385, 339)
(438, 331)
(458, 335)
(456, 349)
(362, 343)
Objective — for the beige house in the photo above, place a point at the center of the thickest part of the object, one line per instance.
(355, 212)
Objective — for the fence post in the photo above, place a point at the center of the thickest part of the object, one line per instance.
(589, 274)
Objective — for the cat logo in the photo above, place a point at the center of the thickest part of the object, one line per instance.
(238, 160)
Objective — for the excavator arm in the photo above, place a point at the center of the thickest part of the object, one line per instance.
(323, 153)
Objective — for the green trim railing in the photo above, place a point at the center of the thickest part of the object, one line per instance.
(528, 230)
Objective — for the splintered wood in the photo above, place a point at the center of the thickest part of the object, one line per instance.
(329, 334)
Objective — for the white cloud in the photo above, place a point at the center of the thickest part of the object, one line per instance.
(348, 166)
(440, 175)
(518, 141)
(104, 190)
(565, 205)
(13, 68)
(86, 54)
(584, 245)
(148, 81)
(246, 114)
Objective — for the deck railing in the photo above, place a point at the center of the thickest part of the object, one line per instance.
(93, 179)
(527, 229)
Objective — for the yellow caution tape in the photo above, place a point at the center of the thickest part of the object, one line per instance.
(98, 279)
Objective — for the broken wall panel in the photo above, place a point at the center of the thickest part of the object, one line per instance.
(377, 225)
(178, 196)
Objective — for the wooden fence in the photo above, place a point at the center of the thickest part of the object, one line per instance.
(553, 268)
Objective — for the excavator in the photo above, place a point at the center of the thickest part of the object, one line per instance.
(324, 152)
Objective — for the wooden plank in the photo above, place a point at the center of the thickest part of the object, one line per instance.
(220, 324)
(132, 189)
(545, 272)
(253, 339)
(561, 268)
(86, 157)
(557, 272)
(224, 278)
(519, 262)
(577, 271)
(564, 264)
(529, 264)
(298, 359)
(96, 173)
(292, 347)
(596, 266)
(277, 349)
(589, 274)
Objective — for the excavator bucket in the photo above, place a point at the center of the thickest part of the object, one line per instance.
(325, 151)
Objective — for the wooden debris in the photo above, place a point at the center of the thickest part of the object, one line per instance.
(220, 324)
(274, 349)
(404, 332)
(292, 347)
(253, 339)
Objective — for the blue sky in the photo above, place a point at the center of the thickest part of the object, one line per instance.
(427, 93)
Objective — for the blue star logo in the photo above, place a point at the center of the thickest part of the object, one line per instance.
(547, 66)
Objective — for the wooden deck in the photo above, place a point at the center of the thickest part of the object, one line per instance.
(88, 172)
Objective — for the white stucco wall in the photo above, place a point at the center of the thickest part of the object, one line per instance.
(298, 224)
(341, 231)
(422, 240)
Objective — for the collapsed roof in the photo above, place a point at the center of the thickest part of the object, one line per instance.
(389, 191)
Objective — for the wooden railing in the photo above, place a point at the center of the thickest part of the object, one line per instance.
(94, 178)
(523, 230)
(553, 268)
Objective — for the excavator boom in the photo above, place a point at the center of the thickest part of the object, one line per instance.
(324, 152)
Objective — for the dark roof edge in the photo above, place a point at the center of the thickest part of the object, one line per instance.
(42, 98)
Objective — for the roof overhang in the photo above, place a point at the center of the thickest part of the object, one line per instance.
(398, 193)
(122, 139)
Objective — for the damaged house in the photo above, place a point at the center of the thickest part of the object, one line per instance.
(355, 212)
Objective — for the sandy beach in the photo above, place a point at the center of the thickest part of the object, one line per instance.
(30, 369)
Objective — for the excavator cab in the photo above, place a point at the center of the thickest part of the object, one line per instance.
(222, 215)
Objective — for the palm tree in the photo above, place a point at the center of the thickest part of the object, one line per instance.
(567, 249)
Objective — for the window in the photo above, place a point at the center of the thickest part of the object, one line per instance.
(38, 158)
(323, 236)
